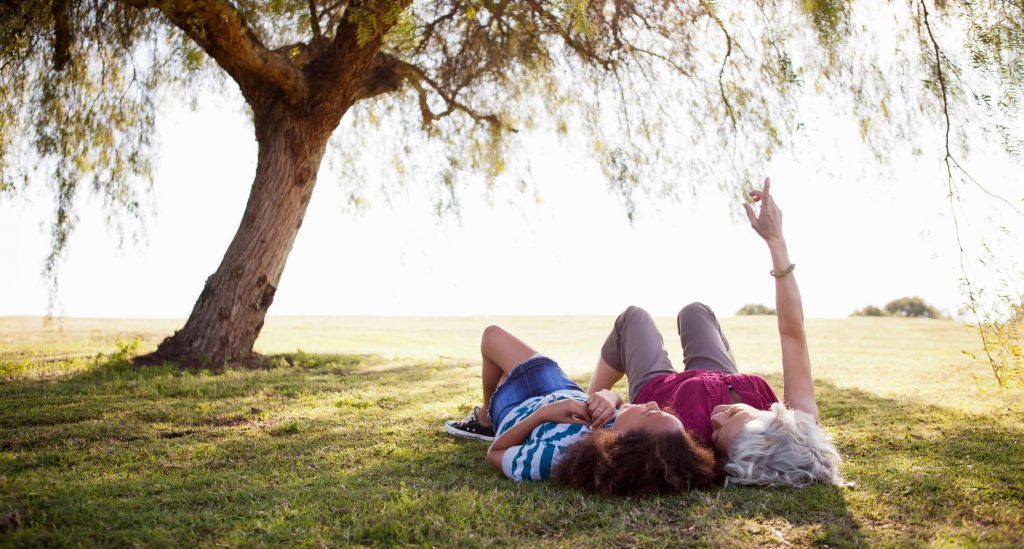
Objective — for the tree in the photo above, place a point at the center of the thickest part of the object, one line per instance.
(869, 310)
(913, 307)
(755, 309)
(668, 93)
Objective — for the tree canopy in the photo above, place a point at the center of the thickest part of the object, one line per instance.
(81, 80)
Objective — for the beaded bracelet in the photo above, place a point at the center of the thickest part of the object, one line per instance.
(783, 273)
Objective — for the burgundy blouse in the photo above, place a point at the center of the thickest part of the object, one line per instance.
(694, 393)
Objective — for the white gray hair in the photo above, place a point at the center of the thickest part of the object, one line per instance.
(782, 446)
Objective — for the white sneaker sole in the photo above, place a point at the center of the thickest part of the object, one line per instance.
(462, 434)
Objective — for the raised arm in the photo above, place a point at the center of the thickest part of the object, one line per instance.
(798, 385)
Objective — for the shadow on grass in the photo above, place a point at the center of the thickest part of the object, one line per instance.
(348, 449)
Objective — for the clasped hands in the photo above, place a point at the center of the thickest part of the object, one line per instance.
(597, 410)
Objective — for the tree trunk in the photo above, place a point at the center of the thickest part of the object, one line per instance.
(229, 313)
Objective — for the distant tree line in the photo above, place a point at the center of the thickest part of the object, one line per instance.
(911, 307)
(755, 309)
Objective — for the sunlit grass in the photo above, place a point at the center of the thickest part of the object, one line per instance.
(341, 443)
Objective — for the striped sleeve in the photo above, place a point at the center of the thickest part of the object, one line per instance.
(538, 456)
(518, 414)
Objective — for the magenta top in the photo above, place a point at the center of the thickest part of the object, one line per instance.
(694, 393)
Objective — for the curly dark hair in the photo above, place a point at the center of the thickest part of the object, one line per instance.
(637, 463)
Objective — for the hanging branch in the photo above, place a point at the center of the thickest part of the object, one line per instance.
(417, 78)
(953, 195)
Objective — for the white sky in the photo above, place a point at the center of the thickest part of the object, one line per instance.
(856, 237)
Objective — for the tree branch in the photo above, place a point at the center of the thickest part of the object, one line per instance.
(581, 49)
(218, 28)
(349, 67)
(314, 21)
(941, 77)
(430, 28)
(61, 34)
(725, 61)
(334, 13)
(661, 57)
(417, 78)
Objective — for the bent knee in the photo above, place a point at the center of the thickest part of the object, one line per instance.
(633, 315)
(691, 313)
(695, 308)
(634, 310)
(490, 333)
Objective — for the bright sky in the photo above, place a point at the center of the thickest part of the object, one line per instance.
(857, 237)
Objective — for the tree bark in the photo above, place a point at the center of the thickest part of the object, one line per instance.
(230, 311)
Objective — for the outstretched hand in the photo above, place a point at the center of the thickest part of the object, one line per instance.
(767, 223)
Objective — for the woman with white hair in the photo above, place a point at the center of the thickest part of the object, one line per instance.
(760, 440)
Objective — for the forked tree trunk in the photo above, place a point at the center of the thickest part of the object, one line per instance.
(229, 313)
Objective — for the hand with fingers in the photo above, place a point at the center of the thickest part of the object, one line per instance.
(602, 406)
(566, 411)
(768, 222)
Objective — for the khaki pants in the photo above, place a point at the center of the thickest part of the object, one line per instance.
(635, 345)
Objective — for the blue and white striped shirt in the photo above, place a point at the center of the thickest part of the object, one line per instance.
(547, 443)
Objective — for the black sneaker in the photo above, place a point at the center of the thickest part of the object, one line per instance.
(470, 428)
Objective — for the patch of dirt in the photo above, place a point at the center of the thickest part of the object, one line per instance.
(11, 520)
(177, 434)
(227, 421)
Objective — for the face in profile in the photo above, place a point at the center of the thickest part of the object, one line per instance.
(647, 417)
(727, 421)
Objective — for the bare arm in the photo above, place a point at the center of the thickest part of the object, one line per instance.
(798, 384)
(604, 377)
(603, 401)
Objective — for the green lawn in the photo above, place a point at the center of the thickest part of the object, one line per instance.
(340, 442)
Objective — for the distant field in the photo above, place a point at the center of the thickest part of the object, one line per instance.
(922, 359)
(340, 443)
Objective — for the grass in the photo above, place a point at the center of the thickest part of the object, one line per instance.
(340, 443)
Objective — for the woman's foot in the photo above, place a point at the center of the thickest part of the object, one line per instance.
(470, 427)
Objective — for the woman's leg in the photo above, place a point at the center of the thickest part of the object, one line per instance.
(635, 347)
(704, 343)
(501, 352)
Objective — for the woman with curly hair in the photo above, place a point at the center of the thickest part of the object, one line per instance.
(638, 463)
(762, 440)
(542, 425)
